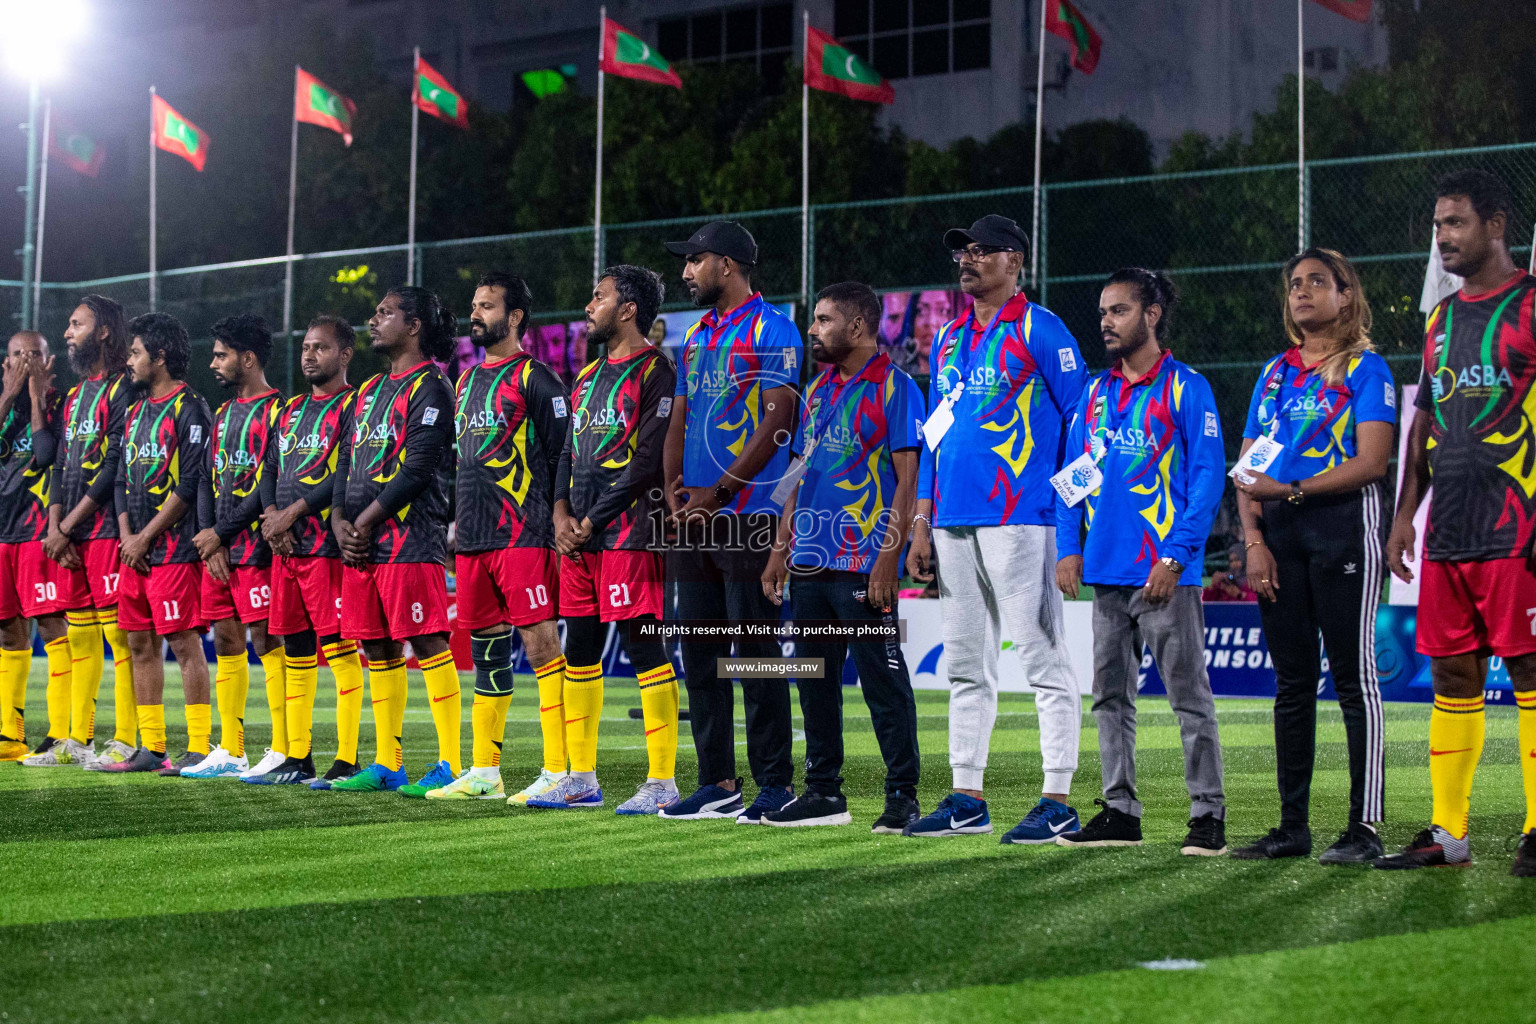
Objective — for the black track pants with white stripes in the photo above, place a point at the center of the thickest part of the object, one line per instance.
(1328, 555)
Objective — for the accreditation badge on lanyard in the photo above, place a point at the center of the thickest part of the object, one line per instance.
(797, 469)
(942, 418)
(1082, 476)
(1265, 449)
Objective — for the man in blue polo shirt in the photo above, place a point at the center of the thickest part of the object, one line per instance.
(841, 539)
(1003, 379)
(726, 450)
(1143, 478)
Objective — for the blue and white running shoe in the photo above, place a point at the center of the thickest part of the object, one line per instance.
(652, 796)
(709, 801)
(569, 792)
(219, 764)
(769, 798)
(956, 815)
(1047, 820)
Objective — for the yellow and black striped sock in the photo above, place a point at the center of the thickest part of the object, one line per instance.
(1456, 729)
(231, 685)
(443, 690)
(347, 668)
(551, 677)
(386, 684)
(152, 727)
(58, 693)
(1526, 702)
(658, 705)
(488, 717)
(85, 662)
(275, 667)
(125, 726)
(14, 668)
(299, 705)
(583, 712)
(199, 728)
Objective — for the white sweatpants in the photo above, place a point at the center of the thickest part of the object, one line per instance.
(1005, 576)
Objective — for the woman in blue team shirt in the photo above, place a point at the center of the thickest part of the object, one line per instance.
(1313, 528)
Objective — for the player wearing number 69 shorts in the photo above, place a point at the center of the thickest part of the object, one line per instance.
(511, 423)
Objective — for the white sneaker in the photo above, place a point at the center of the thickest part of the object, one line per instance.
(114, 752)
(70, 752)
(546, 781)
(268, 763)
(219, 764)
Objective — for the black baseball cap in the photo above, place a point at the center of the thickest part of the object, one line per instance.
(993, 229)
(721, 237)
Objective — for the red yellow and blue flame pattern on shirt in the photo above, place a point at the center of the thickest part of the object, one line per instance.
(1023, 376)
(851, 428)
(1313, 419)
(1158, 442)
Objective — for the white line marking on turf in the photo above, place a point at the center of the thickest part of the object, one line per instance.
(1172, 964)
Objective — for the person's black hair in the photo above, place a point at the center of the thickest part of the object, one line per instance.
(164, 336)
(439, 327)
(1153, 289)
(517, 295)
(642, 287)
(246, 332)
(855, 298)
(1488, 193)
(109, 314)
(344, 333)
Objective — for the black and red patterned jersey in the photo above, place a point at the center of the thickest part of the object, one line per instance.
(400, 454)
(611, 471)
(26, 460)
(165, 443)
(94, 410)
(230, 498)
(302, 466)
(1479, 370)
(513, 415)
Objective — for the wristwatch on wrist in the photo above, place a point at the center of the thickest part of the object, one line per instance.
(1296, 496)
(723, 495)
(1173, 565)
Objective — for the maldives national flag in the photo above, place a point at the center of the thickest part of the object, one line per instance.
(832, 67)
(1066, 21)
(175, 134)
(314, 102)
(1354, 10)
(434, 95)
(628, 56)
(75, 149)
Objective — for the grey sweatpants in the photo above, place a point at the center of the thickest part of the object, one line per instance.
(1175, 631)
(991, 576)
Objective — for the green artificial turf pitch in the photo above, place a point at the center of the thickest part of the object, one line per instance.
(141, 898)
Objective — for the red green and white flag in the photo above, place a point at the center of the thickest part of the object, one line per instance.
(434, 95)
(175, 134)
(1066, 21)
(832, 67)
(72, 147)
(628, 56)
(1354, 10)
(314, 102)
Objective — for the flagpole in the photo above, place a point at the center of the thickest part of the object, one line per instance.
(42, 217)
(805, 165)
(293, 186)
(154, 284)
(410, 231)
(597, 209)
(1301, 130)
(1034, 236)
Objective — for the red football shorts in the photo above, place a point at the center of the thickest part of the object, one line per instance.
(1477, 608)
(167, 600)
(613, 585)
(246, 595)
(28, 581)
(516, 585)
(96, 583)
(306, 594)
(393, 601)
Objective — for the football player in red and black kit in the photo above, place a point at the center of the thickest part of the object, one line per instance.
(82, 524)
(165, 443)
(391, 519)
(1471, 434)
(296, 487)
(30, 425)
(237, 580)
(608, 513)
(512, 418)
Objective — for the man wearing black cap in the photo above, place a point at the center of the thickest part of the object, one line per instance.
(727, 448)
(1003, 377)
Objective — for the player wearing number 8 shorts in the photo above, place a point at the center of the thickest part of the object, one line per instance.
(511, 424)
(237, 574)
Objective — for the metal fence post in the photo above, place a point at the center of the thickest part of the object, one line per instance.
(1306, 200)
(1045, 245)
(810, 260)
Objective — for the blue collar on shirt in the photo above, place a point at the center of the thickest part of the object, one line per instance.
(712, 318)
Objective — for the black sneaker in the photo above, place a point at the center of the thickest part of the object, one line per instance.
(291, 772)
(1278, 844)
(186, 760)
(811, 808)
(339, 770)
(900, 811)
(1357, 844)
(1207, 837)
(1107, 828)
(1432, 848)
(1525, 856)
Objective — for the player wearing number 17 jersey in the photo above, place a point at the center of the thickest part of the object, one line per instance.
(511, 423)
